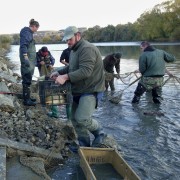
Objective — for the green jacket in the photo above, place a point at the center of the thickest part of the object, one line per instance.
(152, 62)
(85, 70)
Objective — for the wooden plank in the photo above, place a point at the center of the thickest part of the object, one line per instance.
(2, 163)
(90, 156)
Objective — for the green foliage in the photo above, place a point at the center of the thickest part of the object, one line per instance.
(16, 39)
(160, 23)
(5, 41)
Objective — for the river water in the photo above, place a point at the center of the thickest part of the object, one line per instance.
(149, 134)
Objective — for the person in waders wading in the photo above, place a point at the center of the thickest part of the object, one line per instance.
(27, 53)
(86, 75)
(111, 61)
(152, 67)
(45, 62)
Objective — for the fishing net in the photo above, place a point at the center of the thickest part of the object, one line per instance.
(116, 98)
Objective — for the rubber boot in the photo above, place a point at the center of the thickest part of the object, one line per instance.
(26, 96)
(54, 112)
(156, 97)
(140, 89)
(136, 99)
(99, 137)
(84, 141)
(156, 100)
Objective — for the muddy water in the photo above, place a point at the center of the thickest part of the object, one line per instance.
(149, 134)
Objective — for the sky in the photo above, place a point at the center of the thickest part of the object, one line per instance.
(58, 14)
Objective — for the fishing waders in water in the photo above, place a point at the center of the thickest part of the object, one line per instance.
(82, 110)
(139, 92)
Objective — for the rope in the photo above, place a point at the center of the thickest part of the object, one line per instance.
(166, 80)
(131, 73)
(177, 79)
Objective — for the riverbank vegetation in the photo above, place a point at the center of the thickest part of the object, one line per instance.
(161, 23)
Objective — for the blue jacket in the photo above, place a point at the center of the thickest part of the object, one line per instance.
(26, 37)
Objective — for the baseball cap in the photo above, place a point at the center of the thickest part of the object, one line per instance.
(69, 32)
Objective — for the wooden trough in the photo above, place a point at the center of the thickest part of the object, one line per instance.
(100, 156)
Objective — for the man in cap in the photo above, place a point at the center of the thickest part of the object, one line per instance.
(86, 75)
(111, 61)
(152, 67)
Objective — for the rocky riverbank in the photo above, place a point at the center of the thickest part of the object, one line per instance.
(29, 125)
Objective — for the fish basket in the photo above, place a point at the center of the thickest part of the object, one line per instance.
(54, 94)
(94, 160)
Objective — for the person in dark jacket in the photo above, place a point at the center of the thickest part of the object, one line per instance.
(64, 58)
(111, 61)
(27, 53)
(86, 75)
(152, 68)
(45, 61)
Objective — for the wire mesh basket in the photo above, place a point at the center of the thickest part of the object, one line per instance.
(54, 94)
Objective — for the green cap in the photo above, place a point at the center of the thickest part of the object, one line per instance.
(69, 32)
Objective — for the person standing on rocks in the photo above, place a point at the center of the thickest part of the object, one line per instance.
(86, 75)
(27, 53)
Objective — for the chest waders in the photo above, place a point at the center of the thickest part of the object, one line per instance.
(27, 73)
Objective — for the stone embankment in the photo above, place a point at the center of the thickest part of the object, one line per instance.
(28, 130)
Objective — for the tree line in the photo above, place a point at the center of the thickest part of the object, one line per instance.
(161, 23)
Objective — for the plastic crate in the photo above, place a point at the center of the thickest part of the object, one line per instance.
(104, 156)
(54, 94)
